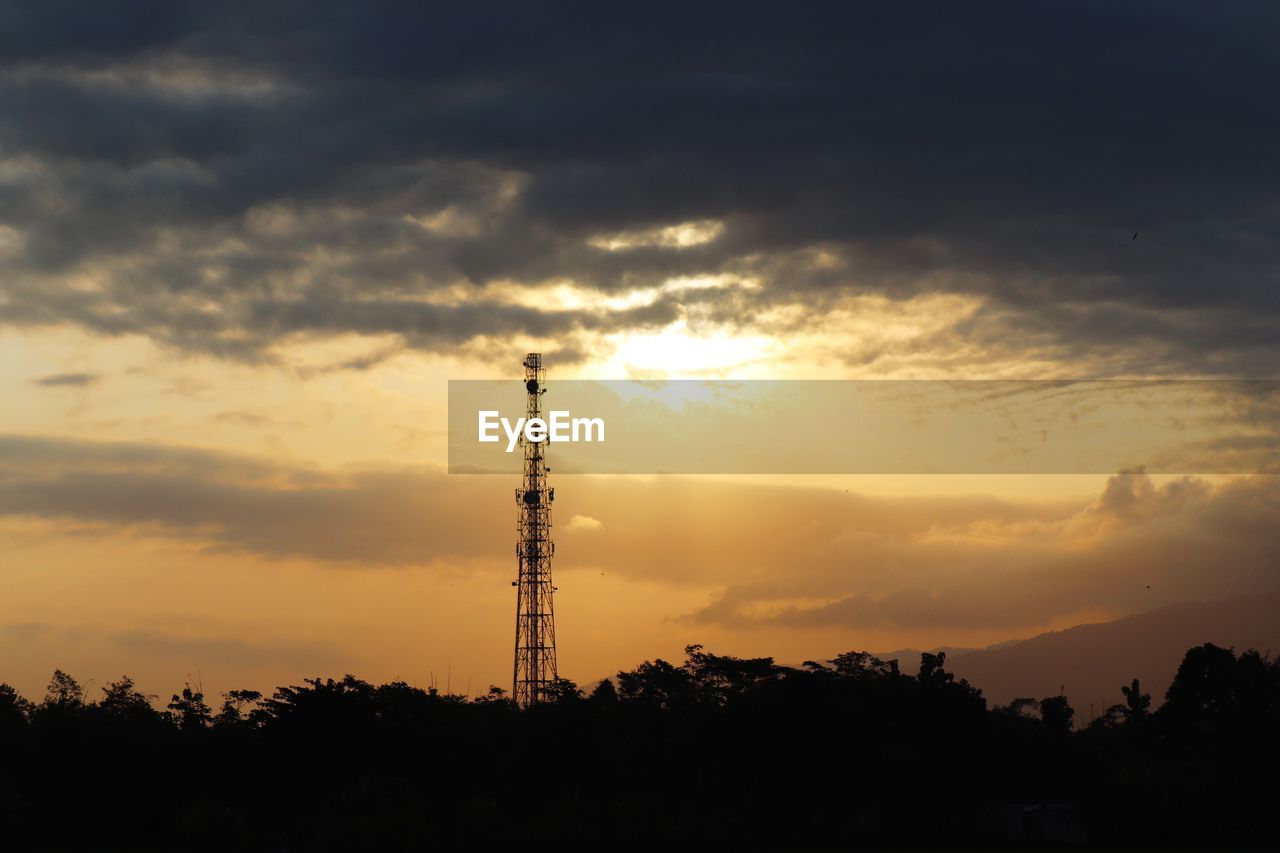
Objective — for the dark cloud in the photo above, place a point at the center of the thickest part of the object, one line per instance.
(244, 504)
(26, 631)
(1005, 152)
(225, 651)
(32, 458)
(420, 517)
(205, 650)
(792, 557)
(1137, 546)
(67, 380)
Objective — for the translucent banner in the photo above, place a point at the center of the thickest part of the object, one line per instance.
(868, 426)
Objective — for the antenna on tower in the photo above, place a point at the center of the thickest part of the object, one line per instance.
(535, 659)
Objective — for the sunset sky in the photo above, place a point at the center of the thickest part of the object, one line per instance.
(244, 247)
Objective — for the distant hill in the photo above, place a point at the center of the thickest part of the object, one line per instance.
(1092, 661)
(909, 659)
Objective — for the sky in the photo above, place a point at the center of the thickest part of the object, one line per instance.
(244, 247)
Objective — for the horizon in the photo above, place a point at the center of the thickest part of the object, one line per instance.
(997, 693)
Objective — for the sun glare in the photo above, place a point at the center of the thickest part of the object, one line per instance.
(676, 352)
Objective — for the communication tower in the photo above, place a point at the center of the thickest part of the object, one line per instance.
(535, 661)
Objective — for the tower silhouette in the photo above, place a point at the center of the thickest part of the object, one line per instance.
(535, 659)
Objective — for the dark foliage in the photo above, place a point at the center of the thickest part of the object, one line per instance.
(717, 751)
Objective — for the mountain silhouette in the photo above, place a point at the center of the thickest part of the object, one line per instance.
(1091, 662)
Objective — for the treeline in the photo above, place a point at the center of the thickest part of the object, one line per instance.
(723, 751)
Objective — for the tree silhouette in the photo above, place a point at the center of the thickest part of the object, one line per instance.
(495, 694)
(189, 710)
(866, 665)
(1137, 703)
(657, 683)
(1057, 715)
(1205, 685)
(719, 679)
(234, 703)
(15, 711)
(64, 692)
(122, 699)
(932, 672)
(564, 691)
(604, 693)
(718, 752)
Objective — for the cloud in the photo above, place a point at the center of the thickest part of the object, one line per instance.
(1184, 539)
(168, 645)
(67, 380)
(220, 179)
(775, 556)
(25, 632)
(251, 505)
(226, 651)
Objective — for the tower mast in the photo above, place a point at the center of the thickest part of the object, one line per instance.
(535, 659)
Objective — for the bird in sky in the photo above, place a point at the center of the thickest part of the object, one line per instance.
(1135, 235)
